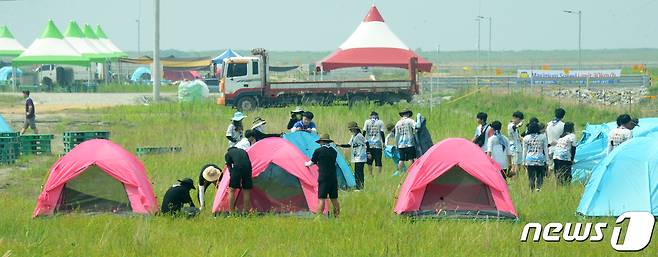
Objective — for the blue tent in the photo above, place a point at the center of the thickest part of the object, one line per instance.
(226, 54)
(625, 180)
(138, 73)
(5, 73)
(306, 143)
(4, 127)
(593, 146)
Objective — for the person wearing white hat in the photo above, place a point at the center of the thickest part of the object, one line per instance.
(258, 128)
(295, 116)
(234, 130)
(210, 174)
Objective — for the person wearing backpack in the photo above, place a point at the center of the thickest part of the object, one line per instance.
(483, 131)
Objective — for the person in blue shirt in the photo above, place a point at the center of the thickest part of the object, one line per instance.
(306, 124)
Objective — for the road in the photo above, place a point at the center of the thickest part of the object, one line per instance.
(54, 102)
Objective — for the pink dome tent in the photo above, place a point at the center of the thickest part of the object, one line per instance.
(373, 44)
(97, 176)
(455, 178)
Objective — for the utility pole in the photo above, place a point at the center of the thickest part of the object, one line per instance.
(139, 29)
(580, 35)
(156, 53)
(489, 54)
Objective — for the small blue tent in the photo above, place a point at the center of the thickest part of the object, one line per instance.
(593, 146)
(306, 143)
(5, 73)
(226, 54)
(138, 75)
(625, 180)
(4, 127)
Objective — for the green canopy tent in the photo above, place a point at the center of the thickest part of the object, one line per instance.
(9, 46)
(50, 48)
(93, 39)
(105, 41)
(82, 44)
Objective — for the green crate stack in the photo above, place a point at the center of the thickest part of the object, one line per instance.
(158, 150)
(73, 138)
(36, 144)
(17, 142)
(8, 148)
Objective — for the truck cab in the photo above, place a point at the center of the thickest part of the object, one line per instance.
(242, 82)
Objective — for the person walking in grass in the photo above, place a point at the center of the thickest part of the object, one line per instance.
(483, 131)
(622, 133)
(405, 129)
(391, 149)
(239, 167)
(515, 142)
(554, 129)
(498, 149)
(373, 130)
(306, 124)
(30, 117)
(325, 157)
(358, 144)
(535, 150)
(563, 154)
(235, 129)
(210, 174)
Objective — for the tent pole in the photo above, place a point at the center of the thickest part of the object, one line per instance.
(13, 78)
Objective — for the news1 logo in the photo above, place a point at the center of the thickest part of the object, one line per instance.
(638, 232)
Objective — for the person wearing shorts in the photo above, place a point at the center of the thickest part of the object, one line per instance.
(239, 167)
(325, 158)
(30, 118)
(404, 136)
(373, 130)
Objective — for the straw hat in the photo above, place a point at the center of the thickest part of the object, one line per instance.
(258, 122)
(298, 109)
(352, 124)
(211, 173)
(238, 116)
(325, 138)
(406, 111)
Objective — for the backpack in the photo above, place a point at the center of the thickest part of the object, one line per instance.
(479, 140)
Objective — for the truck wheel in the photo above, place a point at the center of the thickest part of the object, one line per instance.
(247, 103)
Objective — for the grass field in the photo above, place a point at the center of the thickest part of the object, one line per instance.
(367, 227)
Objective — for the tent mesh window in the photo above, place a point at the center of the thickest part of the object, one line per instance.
(276, 190)
(94, 191)
(457, 191)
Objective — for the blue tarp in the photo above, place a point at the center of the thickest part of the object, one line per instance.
(4, 126)
(593, 146)
(138, 73)
(306, 143)
(226, 54)
(625, 180)
(5, 73)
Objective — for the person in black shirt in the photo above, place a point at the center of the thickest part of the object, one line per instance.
(177, 196)
(295, 116)
(30, 120)
(325, 158)
(239, 167)
(258, 128)
(210, 174)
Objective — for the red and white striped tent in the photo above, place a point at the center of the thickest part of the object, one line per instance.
(373, 44)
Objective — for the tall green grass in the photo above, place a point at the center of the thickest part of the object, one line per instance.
(367, 227)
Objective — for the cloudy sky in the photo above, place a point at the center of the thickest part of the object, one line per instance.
(323, 25)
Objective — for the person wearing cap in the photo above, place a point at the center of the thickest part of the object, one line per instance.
(295, 116)
(258, 127)
(210, 174)
(359, 146)
(404, 136)
(239, 167)
(30, 118)
(246, 141)
(636, 123)
(306, 124)
(177, 196)
(325, 158)
(234, 130)
(622, 133)
(373, 130)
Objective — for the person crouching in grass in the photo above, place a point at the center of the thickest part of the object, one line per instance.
(498, 149)
(359, 145)
(325, 158)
